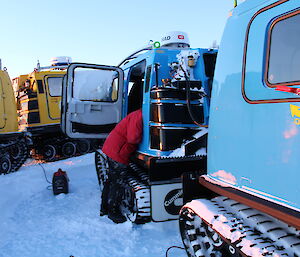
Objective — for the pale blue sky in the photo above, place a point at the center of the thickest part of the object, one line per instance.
(101, 32)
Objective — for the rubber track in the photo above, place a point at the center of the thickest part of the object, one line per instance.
(6, 148)
(137, 180)
(248, 231)
(17, 163)
(57, 142)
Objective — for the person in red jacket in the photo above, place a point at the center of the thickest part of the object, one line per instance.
(120, 144)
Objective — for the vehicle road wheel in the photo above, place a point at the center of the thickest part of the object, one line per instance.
(5, 165)
(83, 146)
(68, 149)
(15, 151)
(49, 152)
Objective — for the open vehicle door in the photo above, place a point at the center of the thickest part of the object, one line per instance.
(61, 104)
(91, 100)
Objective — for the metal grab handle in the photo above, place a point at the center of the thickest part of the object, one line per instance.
(96, 108)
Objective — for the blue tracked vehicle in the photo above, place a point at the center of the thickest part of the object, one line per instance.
(248, 203)
(170, 83)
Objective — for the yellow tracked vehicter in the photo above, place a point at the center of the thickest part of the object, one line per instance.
(13, 144)
(38, 96)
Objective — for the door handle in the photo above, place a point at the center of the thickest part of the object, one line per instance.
(96, 108)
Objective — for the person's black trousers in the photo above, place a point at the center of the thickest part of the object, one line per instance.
(112, 189)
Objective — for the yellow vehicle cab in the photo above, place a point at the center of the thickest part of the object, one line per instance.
(13, 144)
(38, 96)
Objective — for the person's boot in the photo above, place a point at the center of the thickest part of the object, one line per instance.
(103, 212)
(116, 216)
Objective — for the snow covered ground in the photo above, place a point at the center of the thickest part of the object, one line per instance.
(35, 223)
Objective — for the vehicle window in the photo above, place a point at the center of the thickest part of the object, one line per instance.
(135, 86)
(284, 55)
(54, 85)
(95, 85)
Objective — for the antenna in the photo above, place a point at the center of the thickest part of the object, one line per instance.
(214, 45)
(38, 66)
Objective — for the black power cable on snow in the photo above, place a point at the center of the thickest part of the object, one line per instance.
(174, 246)
(48, 187)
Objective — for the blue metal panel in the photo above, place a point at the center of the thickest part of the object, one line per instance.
(163, 57)
(251, 6)
(254, 147)
(256, 50)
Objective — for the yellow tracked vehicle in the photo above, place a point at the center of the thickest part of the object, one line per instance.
(13, 144)
(38, 96)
